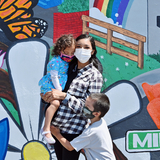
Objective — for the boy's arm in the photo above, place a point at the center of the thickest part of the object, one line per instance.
(55, 131)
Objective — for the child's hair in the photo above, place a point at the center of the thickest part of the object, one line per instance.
(62, 43)
(101, 104)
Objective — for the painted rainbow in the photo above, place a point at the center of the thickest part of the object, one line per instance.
(116, 9)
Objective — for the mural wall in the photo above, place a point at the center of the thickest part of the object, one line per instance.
(28, 30)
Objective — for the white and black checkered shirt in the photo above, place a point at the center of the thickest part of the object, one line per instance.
(69, 118)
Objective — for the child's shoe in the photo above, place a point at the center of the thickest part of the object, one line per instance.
(49, 140)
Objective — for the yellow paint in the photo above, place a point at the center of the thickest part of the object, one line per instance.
(35, 151)
(104, 7)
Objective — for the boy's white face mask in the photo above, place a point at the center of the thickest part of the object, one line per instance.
(83, 55)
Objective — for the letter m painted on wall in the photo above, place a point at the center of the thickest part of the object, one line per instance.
(139, 141)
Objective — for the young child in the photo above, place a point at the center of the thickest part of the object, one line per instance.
(95, 140)
(56, 78)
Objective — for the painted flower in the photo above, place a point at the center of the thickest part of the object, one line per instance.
(117, 69)
(105, 79)
(126, 64)
(25, 140)
(25, 70)
(102, 57)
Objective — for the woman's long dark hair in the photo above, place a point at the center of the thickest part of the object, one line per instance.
(93, 58)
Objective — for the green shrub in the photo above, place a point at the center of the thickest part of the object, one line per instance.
(69, 6)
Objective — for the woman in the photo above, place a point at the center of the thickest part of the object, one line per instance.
(83, 79)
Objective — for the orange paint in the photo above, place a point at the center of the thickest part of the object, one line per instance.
(17, 26)
(20, 23)
(1, 2)
(15, 29)
(153, 94)
(7, 4)
(23, 4)
(15, 14)
(34, 25)
(153, 109)
(7, 12)
(26, 16)
(21, 36)
(26, 30)
(151, 91)
(18, 13)
(38, 30)
(28, 4)
(32, 28)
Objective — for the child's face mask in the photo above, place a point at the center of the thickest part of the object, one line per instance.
(87, 113)
(66, 57)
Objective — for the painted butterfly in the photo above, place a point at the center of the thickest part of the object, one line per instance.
(17, 22)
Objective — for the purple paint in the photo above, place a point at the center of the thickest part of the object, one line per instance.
(121, 10)
(2, 59)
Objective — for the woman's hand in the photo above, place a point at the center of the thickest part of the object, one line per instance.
(58, 95)
(47, 97)
(54, 130)
(53, 95)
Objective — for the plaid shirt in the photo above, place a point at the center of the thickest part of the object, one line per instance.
(69, 116)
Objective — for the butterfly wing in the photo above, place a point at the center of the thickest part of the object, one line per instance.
(26, 28)
(17, 22)
(15, 9)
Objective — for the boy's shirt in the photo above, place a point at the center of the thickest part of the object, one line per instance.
(96, 142)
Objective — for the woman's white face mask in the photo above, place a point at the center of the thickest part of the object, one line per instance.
(83, 55)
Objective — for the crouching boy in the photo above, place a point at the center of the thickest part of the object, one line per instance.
(95, 140)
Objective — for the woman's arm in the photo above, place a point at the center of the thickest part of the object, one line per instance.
(76, 104)
(55, 131)
(53, 95)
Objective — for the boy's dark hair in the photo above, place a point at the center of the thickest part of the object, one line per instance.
(101, 104)
(62, 43)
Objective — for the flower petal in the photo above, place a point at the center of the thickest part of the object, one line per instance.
(13, 155)
(128, 101)
(26, 71)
